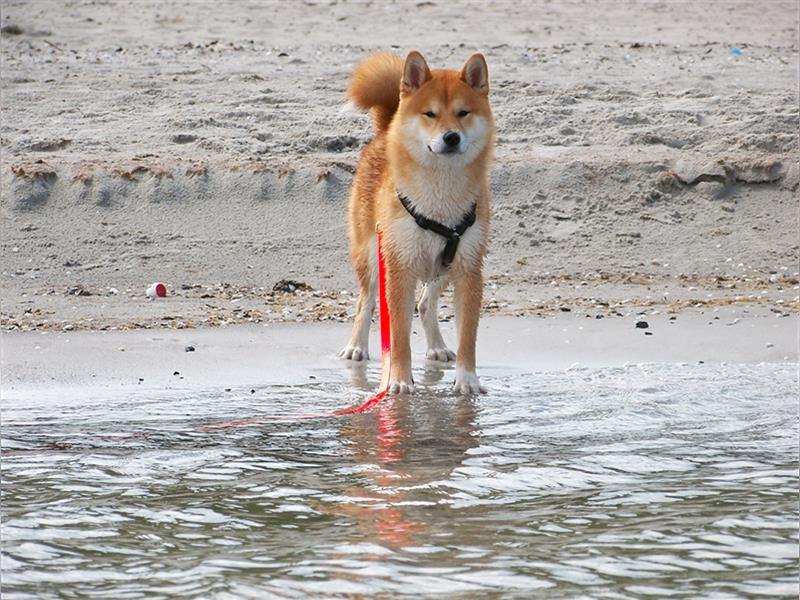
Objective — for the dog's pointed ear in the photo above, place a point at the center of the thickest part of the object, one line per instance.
(415, 72)
(475, 74)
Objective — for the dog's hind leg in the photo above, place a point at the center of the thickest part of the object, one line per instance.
(428, 307)
(367, 270)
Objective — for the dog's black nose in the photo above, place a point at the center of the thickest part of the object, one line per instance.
(451, 138)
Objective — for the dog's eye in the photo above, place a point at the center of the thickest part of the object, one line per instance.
(430, 114)
(462, 113)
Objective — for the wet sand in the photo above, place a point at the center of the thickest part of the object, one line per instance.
(91, 363)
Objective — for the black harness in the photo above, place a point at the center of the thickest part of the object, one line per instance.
(452, 235)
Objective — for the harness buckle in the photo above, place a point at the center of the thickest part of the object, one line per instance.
(452, 235)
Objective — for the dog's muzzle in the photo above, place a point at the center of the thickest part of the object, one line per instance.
(449, 143)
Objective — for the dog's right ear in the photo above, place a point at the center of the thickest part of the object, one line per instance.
(476, 74)
(415, 73)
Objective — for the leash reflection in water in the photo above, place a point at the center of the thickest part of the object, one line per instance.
(399, 448)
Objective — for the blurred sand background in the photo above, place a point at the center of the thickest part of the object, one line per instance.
(647, 156)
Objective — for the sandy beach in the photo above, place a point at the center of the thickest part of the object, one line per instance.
(647, 156)
(639, 337)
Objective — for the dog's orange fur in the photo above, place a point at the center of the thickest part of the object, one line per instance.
(442, 186)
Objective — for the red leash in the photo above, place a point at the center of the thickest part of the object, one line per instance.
(386, 340)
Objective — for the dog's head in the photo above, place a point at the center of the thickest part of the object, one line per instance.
(444, 116)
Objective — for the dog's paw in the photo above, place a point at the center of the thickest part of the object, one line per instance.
(397, 388)
(467, 383)
(441, 354)
(356, 353)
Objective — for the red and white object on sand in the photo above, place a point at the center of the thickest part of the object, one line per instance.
(157, 290)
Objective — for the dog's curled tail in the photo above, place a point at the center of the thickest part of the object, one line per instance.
(375, 86)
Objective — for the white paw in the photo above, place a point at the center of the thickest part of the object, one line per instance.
(356, 353)
(467, 383)
(400, 387)
(441, 354)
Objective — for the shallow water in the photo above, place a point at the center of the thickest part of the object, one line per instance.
(643, 481)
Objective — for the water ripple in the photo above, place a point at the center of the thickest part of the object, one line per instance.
(644, 480)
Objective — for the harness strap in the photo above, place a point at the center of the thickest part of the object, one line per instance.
(452, 234)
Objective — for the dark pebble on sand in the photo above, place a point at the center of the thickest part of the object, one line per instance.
(78, 291)
(189, 349)
(565, 309)
(642, 325)
(227, 389)
(11, 29)
(183, 138)
(176, 373)
(290, 287)
(252, 391)
(648, 333)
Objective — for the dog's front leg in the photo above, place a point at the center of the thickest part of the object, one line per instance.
(468, 295)
(400, 297)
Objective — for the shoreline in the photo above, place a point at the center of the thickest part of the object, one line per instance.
(37, 366)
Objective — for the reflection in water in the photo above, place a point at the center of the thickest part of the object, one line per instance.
(358, 376)
(432, 374)
(401, 447)
(628, 482)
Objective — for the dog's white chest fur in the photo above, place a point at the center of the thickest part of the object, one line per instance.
(421, 250)
(442, 194)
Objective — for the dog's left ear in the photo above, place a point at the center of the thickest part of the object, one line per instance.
(475, 74)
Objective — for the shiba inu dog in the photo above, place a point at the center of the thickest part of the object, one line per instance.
(423, 181)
